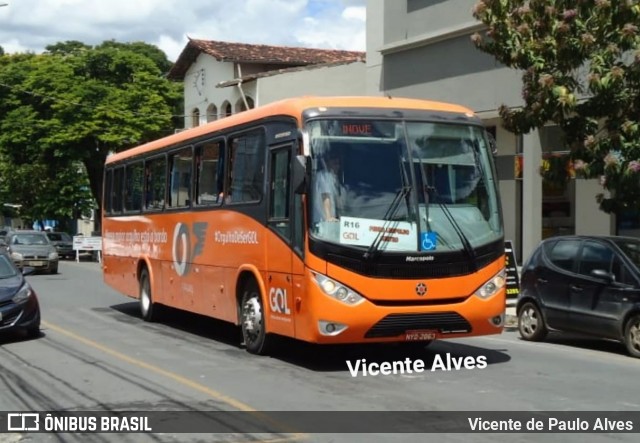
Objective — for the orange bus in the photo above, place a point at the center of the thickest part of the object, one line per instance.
(326, 219)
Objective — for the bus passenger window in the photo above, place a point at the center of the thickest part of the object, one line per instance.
(156, 170)
(246, 170)
(180, 179)
(116, 190)
(208, 177)
(107, 191)
(133, 187)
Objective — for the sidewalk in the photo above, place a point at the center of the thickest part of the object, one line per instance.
(511, 321)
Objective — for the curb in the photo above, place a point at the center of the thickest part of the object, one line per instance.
(510, 318)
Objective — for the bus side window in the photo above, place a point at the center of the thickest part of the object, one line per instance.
(208, 158)
(116, 190)
(133, 187)
(107, 191)
(155, 170)
(180, 179)
(246, 168)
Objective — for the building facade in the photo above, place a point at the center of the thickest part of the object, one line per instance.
(423, 49)
(223, 78)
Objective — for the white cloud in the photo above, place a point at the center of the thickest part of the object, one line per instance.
(33, 24)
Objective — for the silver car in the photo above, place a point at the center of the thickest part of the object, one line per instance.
(32, 249)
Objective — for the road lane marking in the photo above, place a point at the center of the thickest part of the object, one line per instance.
(237, 404)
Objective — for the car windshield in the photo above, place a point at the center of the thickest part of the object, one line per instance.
(30, 239)
(59, 236)
(402, 185)
(631, 248)
(7, 270)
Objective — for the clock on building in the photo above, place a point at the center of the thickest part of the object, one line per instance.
(198, 81)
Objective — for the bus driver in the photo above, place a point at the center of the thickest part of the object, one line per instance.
(330, 191)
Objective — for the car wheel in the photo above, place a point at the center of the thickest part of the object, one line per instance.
(54, 270)
(147, 307)
(531, 325)
(256, 339)
(632, 335)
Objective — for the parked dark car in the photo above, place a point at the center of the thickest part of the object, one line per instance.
(32, 248)
(19, 308)
(584, 284)
(63, 244)
(4, 231)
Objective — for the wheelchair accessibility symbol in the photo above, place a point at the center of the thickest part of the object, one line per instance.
(428, 241)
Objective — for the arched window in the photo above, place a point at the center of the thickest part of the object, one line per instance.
(212, 112)
(195, 117)
(240, 106)
(226, 109)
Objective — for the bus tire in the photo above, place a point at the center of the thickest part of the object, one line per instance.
(147, 306)
(252, 320)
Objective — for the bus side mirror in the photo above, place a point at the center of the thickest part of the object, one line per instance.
(299, 174)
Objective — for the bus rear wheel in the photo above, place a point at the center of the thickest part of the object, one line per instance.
(147, 307)
(254, 334)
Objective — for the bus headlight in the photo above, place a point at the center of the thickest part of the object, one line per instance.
(492, 286)
(338, 291)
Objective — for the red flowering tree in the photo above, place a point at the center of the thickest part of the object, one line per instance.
(581, 70)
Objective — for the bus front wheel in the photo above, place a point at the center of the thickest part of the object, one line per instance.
(256, 339)
(146, 300)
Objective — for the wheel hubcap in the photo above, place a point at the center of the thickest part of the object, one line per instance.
(252, 319)
(529, 322)
(145, 298)
(634, 335)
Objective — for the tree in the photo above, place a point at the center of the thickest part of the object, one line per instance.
(581, 70)
(63, 112)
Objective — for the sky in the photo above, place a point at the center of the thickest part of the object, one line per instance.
(31, 25)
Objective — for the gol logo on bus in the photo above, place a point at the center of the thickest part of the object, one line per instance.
(182, 245)
(278, 301)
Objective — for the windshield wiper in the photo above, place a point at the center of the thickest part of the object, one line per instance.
(388, 219)
(456, 227)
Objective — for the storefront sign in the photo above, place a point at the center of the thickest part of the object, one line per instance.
(82, 243)
(513, 279)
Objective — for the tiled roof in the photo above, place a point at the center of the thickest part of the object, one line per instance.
(247, 53)
(250, 77)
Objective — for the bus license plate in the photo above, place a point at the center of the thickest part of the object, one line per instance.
(36, 263)
(419, 335)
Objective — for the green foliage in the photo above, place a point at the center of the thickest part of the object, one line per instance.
(581, 70)
(62, 113)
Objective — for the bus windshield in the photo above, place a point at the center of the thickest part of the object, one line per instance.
(402, 186)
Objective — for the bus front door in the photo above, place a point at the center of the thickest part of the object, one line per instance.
(280, 309)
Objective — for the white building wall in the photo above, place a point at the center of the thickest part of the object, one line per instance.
(590, 220)
(200, 87)
(532, 193)
(375, 40)
(348, 79)
(413, 19)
